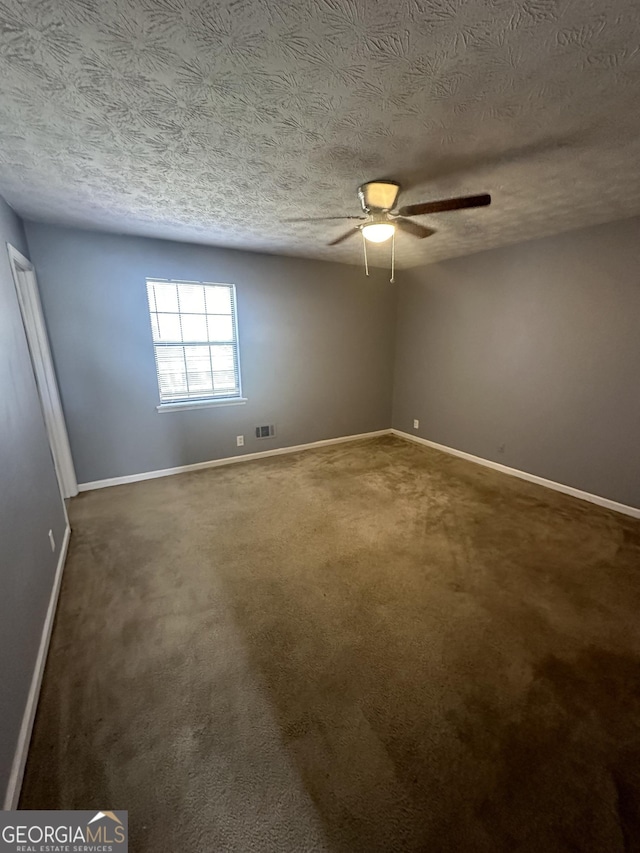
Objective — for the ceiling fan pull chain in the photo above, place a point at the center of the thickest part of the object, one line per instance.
(393, 257)
(364, 248)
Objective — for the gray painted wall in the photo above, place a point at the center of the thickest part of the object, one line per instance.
(30, 506)
(535, 347)
(316, 347)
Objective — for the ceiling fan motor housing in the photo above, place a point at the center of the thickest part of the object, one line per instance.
(378, 196)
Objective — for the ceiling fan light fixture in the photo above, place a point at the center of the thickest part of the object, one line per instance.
(378, 232)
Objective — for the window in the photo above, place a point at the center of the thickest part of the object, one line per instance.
(195, 337)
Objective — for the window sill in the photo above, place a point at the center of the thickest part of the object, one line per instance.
(201, 404)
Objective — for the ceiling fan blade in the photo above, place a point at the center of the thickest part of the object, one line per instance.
(413, 227)
(445, 204)
(321, 218)
(349, 233)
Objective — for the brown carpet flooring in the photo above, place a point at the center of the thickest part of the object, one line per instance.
(368, 647)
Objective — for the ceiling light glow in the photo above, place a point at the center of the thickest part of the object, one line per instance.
(378, 232)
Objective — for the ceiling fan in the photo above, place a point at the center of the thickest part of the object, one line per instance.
(381, 218)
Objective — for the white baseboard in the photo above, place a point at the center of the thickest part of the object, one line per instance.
(523, 475)
(20, 759)
(228, 460)
(280, 451)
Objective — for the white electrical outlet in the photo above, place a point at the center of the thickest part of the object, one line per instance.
(416, 424)
(240, 440)
(52, 540)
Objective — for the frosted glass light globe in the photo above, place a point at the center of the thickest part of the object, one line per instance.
(378, 232)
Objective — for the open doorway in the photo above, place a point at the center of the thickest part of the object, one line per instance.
(31, 309)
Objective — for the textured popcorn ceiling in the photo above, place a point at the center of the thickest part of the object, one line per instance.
(213, 121)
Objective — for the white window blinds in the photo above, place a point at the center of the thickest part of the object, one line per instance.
(195, 336)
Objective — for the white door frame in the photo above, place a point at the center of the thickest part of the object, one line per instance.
(24, 277)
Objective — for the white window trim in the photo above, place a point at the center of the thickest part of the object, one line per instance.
(208, 402)
(183, 405)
